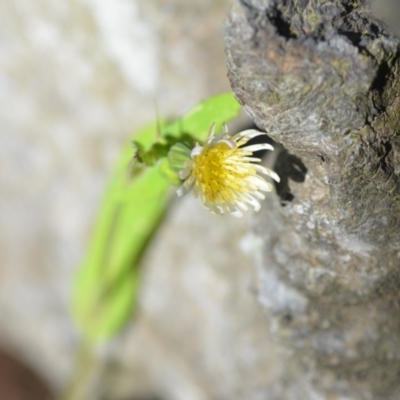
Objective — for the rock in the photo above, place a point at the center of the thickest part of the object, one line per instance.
(321, 79)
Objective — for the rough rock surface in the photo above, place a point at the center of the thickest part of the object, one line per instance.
(322, 79)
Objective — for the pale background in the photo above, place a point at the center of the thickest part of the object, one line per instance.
(77, 77)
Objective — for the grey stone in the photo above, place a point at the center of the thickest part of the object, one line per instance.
(321, 79)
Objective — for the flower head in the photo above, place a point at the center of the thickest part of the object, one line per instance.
(222, 172)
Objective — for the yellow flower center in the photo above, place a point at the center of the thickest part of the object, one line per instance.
(222, 172)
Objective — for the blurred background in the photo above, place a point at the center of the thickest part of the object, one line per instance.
(77, 78)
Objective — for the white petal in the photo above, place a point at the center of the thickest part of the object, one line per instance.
(212, 130)
(229, 142)
(267, 171)
(237, 214)
(253, 202)
(257, 147)
(196, 151)
(182, 191)
(249, 133)
(241, 206)
(252, 159)
(258, 194)
(185, 188)
(184, 173)
(263, 185)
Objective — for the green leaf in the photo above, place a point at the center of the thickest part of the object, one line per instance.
(196, 123)
(106, 286)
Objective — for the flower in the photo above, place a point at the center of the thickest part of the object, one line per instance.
(222, 171)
